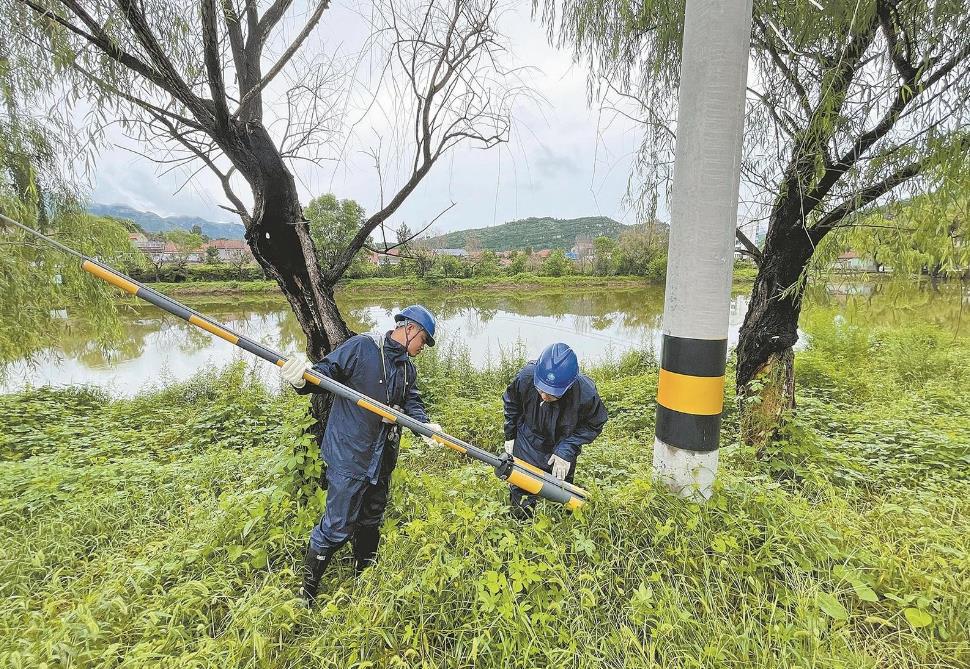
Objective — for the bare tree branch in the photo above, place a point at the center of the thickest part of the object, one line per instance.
(236, 43)
(434, 52)
(270, 19)
(793, 80)
(224, 177)
(213, 66)
(749, 246)
(147, 106)
(100, 40)
(906, 69)
(250, 95)
(136, 20)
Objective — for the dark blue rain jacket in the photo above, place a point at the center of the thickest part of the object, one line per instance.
(543, 428)
(355, 439)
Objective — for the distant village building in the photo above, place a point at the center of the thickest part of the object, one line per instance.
(850, 261)
(390, 257)
(160, 251)
(229, 249)
(171, 253)
(153, 248)
(584, 249)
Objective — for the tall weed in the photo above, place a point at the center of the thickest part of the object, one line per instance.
(166, 530)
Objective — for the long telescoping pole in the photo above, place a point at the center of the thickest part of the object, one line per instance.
(513, 470)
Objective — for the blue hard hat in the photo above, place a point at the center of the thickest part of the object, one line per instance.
(556, 369)
(420, 315)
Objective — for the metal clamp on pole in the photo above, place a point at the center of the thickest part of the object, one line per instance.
(504, 467)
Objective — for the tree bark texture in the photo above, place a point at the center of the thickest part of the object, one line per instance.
(279, 238)
(765, 372)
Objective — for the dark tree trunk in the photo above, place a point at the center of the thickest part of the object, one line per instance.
(279, 238)
(765, 372)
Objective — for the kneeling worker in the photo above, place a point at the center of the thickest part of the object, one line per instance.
(551, 411)
(359, 447)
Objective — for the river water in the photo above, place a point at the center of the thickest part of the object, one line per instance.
(598, 323)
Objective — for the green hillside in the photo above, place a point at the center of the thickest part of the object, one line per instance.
(535, 233)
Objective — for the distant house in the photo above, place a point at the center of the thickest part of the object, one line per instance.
(543, 254)
(583, 249)
(228, 249)
(153, 248)
(850, 261)
(171, 253)
(391, 257)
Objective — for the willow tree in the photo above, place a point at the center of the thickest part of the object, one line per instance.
(37, 283)
(851, 105)
(197, 82)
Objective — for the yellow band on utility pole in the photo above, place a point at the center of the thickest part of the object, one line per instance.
(698, 395)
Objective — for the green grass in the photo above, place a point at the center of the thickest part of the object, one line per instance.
(396, 284)
(165, 530)
(376, 285)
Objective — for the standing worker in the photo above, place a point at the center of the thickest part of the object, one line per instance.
(551, 411)
(359, 447)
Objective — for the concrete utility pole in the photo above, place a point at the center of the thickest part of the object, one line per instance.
(710, 119)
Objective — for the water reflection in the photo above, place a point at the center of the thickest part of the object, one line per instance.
(154, 348)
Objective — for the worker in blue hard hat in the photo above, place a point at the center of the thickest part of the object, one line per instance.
(551, 412)
(359, 447)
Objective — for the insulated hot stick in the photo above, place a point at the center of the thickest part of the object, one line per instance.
(513, 470)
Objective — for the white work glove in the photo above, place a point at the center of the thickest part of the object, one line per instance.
(292, 370)
(560, 467)
(431, 426)
(508, 446)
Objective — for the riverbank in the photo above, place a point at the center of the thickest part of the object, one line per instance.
(185, 510)
(516, 283)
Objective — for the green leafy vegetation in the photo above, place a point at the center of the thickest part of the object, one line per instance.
(333, 224)
(377, 285)
(38, 282)
(925, 235)
(165, 529)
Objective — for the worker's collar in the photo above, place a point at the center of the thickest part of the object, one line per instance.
(393, 346)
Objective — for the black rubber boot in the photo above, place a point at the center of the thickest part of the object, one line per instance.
(365, 544)
(314, 564)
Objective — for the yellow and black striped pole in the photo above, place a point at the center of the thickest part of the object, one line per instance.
(700, 259)
(516, 472)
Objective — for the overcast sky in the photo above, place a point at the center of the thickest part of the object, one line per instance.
(563, 159)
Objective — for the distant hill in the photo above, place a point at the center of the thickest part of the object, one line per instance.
(535, 233)
(152, 222)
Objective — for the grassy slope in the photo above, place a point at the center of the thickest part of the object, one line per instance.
(396, 284)
(377, 285)
(164, 531)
